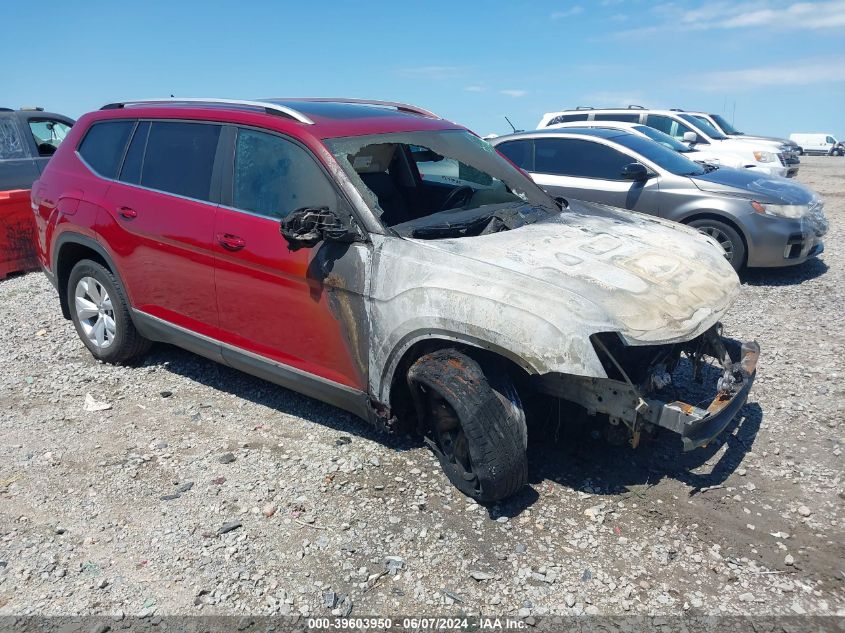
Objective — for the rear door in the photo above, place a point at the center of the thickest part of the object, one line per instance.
(297, 311)
(160, 221)
(585, 169)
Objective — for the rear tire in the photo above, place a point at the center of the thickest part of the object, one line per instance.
(474, 423)
(728, 238)
(100, 313)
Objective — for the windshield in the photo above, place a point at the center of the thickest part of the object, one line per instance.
(662, 156)
(664, 139)
(443, 183)
(727, 128)
(704, 125)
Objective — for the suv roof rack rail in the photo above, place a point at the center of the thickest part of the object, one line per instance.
(32, 109)
(585, 108)
(401, 107)
(634, 106)
(676, 110)
(266, 106)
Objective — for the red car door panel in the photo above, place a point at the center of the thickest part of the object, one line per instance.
(302, 308)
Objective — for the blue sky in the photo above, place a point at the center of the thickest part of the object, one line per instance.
(776, 66)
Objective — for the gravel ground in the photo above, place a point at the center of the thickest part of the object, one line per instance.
(126, 509)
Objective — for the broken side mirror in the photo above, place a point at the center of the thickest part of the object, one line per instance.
(308, 226)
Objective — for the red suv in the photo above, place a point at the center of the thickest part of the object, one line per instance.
(420, 279)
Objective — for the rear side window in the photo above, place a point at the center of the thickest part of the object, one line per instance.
(274, 176)
(566, 118)
(134, 161)
(103, 146)
(519, 153)
(11, 144)
(581, 159)
(658, 122)
(629, 118)
(180, 158)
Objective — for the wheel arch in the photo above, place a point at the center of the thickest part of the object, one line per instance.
(71, 248)
(394, 388)
(719, 217)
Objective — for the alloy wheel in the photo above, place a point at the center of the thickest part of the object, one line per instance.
(719, 236)
(95, 313)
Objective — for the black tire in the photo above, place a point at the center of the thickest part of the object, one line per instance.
(474, 421)
(726, 235)
(126, 343)
(800, 151)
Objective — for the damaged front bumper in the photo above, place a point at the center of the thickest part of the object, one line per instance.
(698, 427)
(640, 378)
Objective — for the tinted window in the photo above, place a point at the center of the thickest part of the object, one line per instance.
(274, 176)
(704, 125)
(131, 170)
(11, 145)
(180, 157)
(565, 118)
(664, 139)
(519, 153)
(661, 155)
(574, 157)
(659, 122)
(630, 118)
(103, 145)
(830, 139)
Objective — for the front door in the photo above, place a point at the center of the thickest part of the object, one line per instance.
(301, 310)
(589, 170)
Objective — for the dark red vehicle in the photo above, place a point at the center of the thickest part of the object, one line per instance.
(419, 279)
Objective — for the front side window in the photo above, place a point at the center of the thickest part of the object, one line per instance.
(11, 145)
(830, 139)
(657, 153)
(704, 125)
(578, 158)
(179, 158)
(48, 135)
(664, 139)
(660, 122)
(274, 176)
(103, 146)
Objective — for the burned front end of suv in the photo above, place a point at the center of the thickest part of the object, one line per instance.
(693, 388)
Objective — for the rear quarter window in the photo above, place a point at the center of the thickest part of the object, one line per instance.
(103, 146)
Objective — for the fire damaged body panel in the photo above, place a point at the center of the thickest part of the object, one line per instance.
(537, 294)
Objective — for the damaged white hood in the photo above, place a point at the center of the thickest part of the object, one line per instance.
(651, 280)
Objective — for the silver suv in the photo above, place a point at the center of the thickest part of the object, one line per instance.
(758, 221)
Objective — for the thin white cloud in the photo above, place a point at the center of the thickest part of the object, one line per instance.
(434, 72)
(514, 93)
(567, 13)
(725, 15)
(822, 71)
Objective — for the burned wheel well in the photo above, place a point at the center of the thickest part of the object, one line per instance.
(401, 402)
(69, 254)
(705, 215)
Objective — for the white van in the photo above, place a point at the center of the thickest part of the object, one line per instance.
(817, 144)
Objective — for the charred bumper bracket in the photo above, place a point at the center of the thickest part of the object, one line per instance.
(698, 427)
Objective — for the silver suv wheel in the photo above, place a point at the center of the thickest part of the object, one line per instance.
(95, 312)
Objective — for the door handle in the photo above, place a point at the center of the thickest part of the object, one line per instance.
(230, 242)
(128, 213)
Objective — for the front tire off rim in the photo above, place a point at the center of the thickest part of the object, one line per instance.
(95, 312)
(719, 236)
